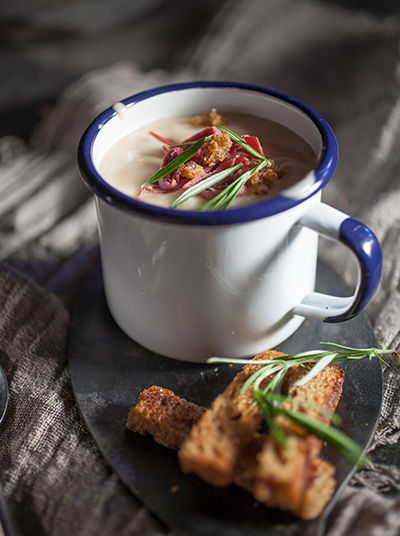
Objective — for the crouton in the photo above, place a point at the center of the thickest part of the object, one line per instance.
(165, 416)
(217, 440)
(282, 472)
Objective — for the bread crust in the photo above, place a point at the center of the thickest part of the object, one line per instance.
(282, 473)
(217, 440)
(294, 478)
(319, 490)
(165, 416)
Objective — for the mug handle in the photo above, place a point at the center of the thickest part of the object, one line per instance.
(338, 226)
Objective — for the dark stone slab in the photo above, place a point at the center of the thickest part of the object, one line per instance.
(109, 370)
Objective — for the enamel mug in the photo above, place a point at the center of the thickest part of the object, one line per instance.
(189, 284)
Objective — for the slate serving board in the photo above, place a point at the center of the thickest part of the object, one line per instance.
(109, 370)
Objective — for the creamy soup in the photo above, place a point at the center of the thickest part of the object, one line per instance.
(137, 157)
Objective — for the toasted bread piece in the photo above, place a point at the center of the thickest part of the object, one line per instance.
(323, 391)
(282, 473)
(319, 490)
(247, 463)
(165, 416)
(217, 440)
(217, 149)
(168, 418)
(317, 486)
(170, 422)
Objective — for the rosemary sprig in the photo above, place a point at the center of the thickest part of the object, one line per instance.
(176, 162)
(228, 194)
(235, 137)
(267, 411)
(217, 200)
(334, 418)
(231, 196)
(267, 381)
(183, 144)
(342, 443)
(203, 185)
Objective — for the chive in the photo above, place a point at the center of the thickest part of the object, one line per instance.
(176, 162)
(204, 184)
(235, 137)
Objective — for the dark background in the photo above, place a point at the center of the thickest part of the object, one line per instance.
(47, 44)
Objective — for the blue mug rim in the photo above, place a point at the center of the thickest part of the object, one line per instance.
(280, 203)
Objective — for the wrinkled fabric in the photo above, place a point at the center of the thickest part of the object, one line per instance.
(52, 472)
(343, 63)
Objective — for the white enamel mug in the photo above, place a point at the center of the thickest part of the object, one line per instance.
(188, 284)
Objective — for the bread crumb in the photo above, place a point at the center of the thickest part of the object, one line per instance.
(208, 119)
(217, 149)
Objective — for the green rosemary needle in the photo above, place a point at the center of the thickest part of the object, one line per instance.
(203, 185)
(176, 162)
(235, 137)
(339, 441)
(183, 144)
(231, 196)
(225, 198)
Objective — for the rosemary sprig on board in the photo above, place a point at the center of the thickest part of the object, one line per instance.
(267, 381)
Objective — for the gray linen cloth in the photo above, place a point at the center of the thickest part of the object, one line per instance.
(343, 63)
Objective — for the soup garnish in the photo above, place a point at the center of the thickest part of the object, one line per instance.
(216, 163)
(169, 156)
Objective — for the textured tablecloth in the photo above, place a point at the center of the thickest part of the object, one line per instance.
(343, 63)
